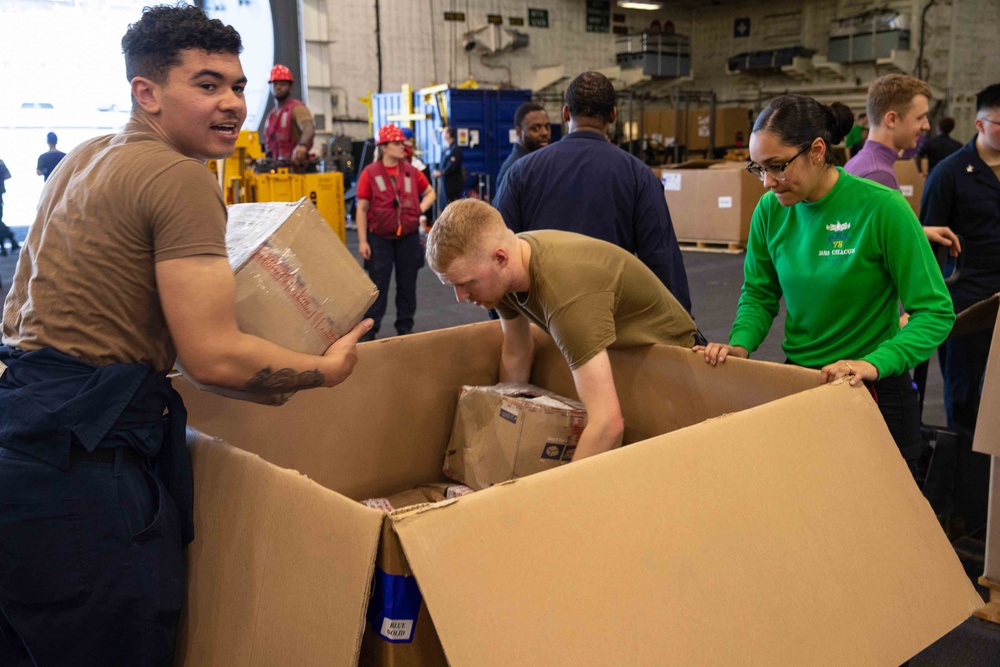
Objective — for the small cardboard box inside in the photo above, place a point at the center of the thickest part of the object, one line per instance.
(711, 201)
(757, 519)
(511, 430)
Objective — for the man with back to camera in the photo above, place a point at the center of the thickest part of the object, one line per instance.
(963, 193)
(898, 105)
(937, 148)
(589, 295)
(585, 184)
(48, 160)
(95, 478)
(290, 129)
(533, 130)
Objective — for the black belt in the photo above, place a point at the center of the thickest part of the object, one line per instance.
(105, 455)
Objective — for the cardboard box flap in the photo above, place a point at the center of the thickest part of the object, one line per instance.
(675, 380)
(249, 225)
(789, 534)
(295, 589)
(357, 453)
(984, 315)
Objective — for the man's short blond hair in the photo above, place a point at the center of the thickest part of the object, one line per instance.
(893, 92)
(466, 228)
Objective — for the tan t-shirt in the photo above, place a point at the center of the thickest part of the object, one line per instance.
(85, 281)
(590, 295)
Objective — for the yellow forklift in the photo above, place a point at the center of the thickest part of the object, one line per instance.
(243, 181)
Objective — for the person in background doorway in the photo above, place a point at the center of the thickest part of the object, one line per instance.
(938, 148)
(450, 167)
(963, 193)
(533, 129)
(589, 295)
(5, 233)
(125, 272)
(583, 183)
(392, 197)
(842, 252)
(290, 129)
(897, 110)
(48, 160)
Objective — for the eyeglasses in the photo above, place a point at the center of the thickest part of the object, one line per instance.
(777, 172)
(995, 122)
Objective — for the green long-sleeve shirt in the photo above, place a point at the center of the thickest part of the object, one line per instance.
(843, 264)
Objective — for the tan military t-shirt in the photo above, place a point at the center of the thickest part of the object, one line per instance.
(85, 281)
(590, 295)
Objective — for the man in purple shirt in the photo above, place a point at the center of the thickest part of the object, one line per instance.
(897, 114)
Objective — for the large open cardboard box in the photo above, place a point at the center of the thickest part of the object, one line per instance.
(757, 519)
(711, 201)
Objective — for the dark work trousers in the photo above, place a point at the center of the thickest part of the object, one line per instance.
(963, 364)
(404, 254)
(899, 404)
(91, 566)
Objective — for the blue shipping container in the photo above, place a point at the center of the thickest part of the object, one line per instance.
(483, 122)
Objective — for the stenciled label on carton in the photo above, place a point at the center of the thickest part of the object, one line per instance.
(394, 606)
(276, 265)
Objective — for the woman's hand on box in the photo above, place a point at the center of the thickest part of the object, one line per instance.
(853, 368)
(718, 352)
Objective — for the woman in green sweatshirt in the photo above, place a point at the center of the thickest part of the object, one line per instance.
(843, 252)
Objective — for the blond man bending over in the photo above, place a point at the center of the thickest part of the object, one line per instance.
(589, 295)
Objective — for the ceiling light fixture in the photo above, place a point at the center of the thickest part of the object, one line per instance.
(640, 4)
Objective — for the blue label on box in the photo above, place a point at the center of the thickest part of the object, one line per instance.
(394, 606)
(509, 416)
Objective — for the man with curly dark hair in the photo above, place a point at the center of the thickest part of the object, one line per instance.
(124, 270)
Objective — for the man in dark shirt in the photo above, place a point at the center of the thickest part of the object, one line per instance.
(48, 160)
(963, 193)
(450, 166)
(939, 147)
(585, 184)
(533, 129)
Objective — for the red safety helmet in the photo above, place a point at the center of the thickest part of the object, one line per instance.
(281, 73)
(388, 133)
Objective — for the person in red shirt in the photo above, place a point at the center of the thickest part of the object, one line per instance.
(392, 197)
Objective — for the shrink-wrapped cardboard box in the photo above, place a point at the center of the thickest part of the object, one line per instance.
(297, 285)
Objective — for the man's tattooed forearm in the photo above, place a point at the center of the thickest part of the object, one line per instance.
(284, 380)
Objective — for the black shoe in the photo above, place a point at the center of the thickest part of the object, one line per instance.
(3, 251)
(14, 246)
(404, 332)
(369, 335)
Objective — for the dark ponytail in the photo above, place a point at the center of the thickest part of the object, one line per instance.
(798, 120)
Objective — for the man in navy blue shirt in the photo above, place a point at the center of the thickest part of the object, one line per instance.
(963, 193)
(587, 185)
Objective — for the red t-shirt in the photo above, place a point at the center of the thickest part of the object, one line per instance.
(365, 185)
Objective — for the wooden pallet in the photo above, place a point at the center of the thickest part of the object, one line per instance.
(990, 612)
(713, 246)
